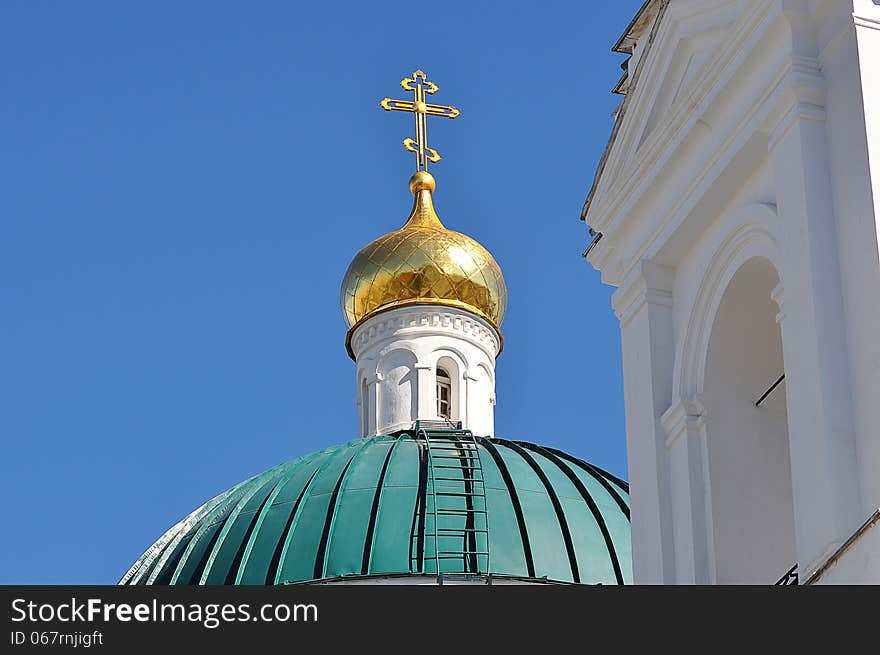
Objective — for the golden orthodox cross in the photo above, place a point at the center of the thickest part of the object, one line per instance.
(420, 86)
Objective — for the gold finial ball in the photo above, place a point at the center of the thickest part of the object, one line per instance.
(422, 181)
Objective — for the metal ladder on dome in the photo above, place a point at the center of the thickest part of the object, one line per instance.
(457, 493)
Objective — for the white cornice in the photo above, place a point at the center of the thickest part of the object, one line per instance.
(611, 199)
(649, 283)
(804, 85)
(796, 89)
(423, 320)
(620, 112)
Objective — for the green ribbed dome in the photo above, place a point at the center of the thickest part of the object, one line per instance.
(365, 508)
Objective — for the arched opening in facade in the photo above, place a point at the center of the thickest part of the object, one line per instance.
(398, 392)
(750, 492)
(444, 394)
(447, 384)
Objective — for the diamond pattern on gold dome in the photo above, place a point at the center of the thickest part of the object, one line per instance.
(420, 263)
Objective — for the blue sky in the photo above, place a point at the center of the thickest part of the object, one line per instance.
(183, 187)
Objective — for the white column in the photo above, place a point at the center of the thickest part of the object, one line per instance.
(468, 394)
(685, 426)
(369, 405)
(426, 390)
(643, 304)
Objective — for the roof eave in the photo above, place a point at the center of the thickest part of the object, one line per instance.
(636, 26)
(657, 7)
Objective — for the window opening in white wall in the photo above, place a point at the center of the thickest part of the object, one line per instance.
(444, 394)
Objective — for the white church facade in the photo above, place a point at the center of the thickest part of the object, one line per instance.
(735, 211)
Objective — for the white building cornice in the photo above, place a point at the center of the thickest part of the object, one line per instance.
(650, 283)
(632, 179)
(425, 320)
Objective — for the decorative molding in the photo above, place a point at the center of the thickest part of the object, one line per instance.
(799, 91)
(685, 416)
(748, 240)
(778, 296)
(665, 138)
(792, 88)
(425, 319)
(799, 111)
(621, 110)
(633, 185)
(648, 283)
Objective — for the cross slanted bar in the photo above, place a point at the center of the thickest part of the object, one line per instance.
(420, 86)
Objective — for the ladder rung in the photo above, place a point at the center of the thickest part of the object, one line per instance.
(461, 450)
(460, 479)
(455, 449)
(447, 535)
(459, 512)
(459, 493)
(450, 457)
(441, 490)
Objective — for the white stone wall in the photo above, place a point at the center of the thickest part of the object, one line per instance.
(750, 131)
(398, 352)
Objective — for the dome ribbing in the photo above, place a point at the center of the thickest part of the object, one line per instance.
(364, 509)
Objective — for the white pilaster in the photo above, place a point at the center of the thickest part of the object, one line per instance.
(685, 426)
(644, 307)
(850, 62)
(819, 398)
(866, 16)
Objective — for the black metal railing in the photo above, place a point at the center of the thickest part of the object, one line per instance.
(790, 578)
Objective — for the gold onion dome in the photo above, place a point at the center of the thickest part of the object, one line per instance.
(424, 263)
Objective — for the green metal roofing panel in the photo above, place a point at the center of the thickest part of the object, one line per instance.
(353, 510)
(391, 539)
(364, 508)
